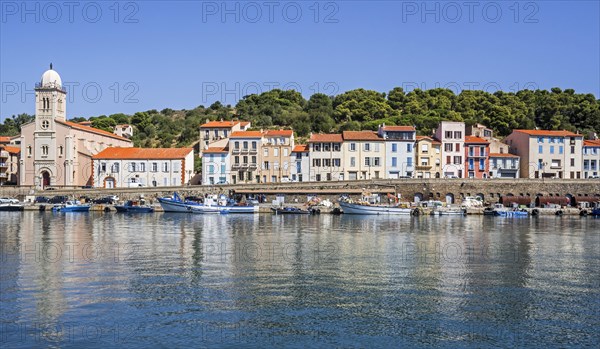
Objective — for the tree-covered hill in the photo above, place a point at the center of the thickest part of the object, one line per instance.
(361, 109)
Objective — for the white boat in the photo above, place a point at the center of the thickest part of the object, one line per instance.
(351, 208)
(471, 202)
(72, 206)
(177, 204)
(11, 207)
(451, 211)
(208, 209)
(500, 210)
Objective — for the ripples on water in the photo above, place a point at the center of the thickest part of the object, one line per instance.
(177, 280)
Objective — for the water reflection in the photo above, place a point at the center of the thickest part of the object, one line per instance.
(258, 280)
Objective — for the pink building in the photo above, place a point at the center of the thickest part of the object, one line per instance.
(57, 152)
(452, 136)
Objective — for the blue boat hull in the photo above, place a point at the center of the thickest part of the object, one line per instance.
(133, 209)
(71, 209)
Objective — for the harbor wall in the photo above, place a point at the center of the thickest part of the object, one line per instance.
(437, 189)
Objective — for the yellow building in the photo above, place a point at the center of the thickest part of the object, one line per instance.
(276, 156)
(429, 158)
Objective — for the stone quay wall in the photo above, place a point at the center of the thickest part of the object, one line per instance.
(437, 189)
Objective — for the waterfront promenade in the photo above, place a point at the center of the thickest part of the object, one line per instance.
(437, 189)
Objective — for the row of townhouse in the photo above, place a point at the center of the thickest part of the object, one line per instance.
(454, 151)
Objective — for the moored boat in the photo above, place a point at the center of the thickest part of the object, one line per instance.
(206, 209)
(500, 210)
(132, 207)
(451, 211)
(291, 210)
(71, 206)
(11, 207)
(352, 208)
(177, 204)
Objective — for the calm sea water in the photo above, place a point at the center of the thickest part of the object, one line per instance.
(176, 280)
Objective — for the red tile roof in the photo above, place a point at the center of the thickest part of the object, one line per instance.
(216, 150)
(143, 153)
(477, 140)
(326, 138)
(92, 130)
(503, 155)
(361, 136)
(246, 134)
(399, 128)
(219, 124)
(12, 150)
(4, 139)
(279, 133)
(592, 143)
(431, 139)
(300, 148)
(562, 133)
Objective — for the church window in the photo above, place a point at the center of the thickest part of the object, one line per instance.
(60, 150)
(44, 150)
(45, 124)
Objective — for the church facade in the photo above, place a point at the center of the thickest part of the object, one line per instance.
(54, 151)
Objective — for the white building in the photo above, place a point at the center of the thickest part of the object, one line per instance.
(452, 136)
(124, 130)
(216, 133)
(216, 165)
(399, 150)
(591, 158)
(364, 155)
(326, 157)
(134, 167)
(503, 165)
(300, 163)
(547, 153)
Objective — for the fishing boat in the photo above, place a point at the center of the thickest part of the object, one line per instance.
(500, 210)
(232, 206)
(209, 209)
(72, 206)
(289, 210)
(11, 207)
(360, 208)
(177, 204)
(134, 207)
(451, 211)
(489, 211)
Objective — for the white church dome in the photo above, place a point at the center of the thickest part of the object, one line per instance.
(51, 78)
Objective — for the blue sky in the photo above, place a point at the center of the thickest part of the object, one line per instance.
(144, 55)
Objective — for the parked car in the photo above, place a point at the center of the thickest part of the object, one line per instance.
(41, 200)
(59, 199)
(105, 200)
(8, 201)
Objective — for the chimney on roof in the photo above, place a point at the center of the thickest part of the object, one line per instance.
(592, 136)
(207, 121)
(221, 119)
